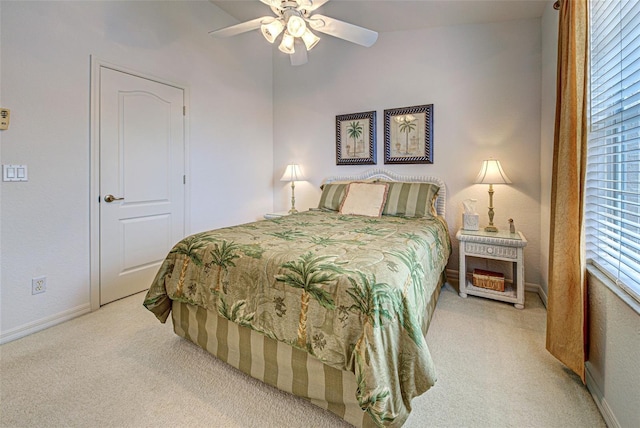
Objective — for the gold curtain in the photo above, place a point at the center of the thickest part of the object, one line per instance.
(566, 314)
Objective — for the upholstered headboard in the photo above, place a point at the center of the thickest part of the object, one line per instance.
(382, 174)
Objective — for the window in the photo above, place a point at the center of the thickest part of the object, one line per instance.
(613, 153)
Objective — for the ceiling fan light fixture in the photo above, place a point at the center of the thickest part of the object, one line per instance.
(272, 30)
(310, 39)
(296, 22)
(296, 26)
(287, 43)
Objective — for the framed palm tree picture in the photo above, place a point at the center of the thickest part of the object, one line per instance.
(356, 139)
(408, 134)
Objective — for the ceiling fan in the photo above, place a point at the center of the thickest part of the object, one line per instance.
(295, 20)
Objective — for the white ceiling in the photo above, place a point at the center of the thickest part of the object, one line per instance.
(399, 15)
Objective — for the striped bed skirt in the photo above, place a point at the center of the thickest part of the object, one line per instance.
(275, 363)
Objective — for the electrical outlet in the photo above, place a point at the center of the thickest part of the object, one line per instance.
(38, 285)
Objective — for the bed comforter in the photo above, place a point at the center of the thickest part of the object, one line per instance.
(351, 291)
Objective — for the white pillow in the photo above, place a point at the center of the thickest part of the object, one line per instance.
(364, 199)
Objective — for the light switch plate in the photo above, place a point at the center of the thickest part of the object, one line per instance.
(14, 173)
(5, 115)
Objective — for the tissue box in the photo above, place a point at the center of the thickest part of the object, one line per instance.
(488, 279)
(470, 222)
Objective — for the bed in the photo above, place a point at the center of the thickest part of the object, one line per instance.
(332, 304)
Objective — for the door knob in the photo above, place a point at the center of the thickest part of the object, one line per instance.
(111, 198)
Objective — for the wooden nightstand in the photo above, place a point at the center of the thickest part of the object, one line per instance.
(501, 245)
(278, 214)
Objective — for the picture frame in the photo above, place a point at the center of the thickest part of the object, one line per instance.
(356, 138)
(408, 135)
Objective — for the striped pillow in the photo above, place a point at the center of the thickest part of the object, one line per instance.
(411, 199)
(332, 196)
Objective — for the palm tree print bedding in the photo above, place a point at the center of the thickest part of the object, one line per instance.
(352, 291)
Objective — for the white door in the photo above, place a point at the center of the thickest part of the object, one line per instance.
(141, 180)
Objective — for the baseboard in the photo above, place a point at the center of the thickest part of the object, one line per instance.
(453, 278)
(44, 323)
(537, 288)
(596, 392)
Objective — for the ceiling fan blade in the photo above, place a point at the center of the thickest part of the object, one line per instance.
(272, 3)
(343, 30)
(316, 4)
(299, 56)
(243, 27)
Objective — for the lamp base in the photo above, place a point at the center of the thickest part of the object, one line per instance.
(293, 209)
(490, 229)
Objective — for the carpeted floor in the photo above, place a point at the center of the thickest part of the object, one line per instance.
(119, 367)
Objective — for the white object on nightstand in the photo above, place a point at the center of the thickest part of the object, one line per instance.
(470, 221)
(500, 245)
(470, 218)
(270, 216)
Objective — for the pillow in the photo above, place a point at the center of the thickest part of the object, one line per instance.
(366, 180)
(364, 199)
(332, 196)
(411, 199)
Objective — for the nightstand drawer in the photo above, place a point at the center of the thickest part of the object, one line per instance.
(472, 248)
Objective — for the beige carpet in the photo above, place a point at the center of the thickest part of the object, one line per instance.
(119, 367)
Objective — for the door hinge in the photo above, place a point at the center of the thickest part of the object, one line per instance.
(184, 179)
(184, 110)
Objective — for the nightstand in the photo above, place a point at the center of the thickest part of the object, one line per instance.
(501, 245)
(270, 216)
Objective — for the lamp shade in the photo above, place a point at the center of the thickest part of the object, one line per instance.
(272, 30)
(286, 45)
(296, 26)
(491, 172)
(310, 39)
(292, 173)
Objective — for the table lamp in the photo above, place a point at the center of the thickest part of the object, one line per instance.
(491, 173)
(293, 173)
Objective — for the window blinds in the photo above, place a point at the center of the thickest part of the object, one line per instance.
(612, 210)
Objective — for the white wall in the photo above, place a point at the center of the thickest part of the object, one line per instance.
(484, 82)
(1, 133)
(547, 124)
(613, 366)
(45, 58)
